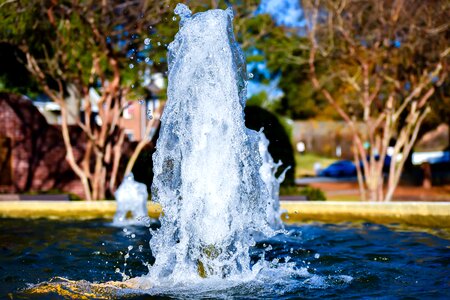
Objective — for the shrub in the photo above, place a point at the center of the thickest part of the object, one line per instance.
(313, 194)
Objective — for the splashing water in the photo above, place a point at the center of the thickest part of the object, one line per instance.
(131, 197)
(267, 172)
(208, 166)
(214, 179)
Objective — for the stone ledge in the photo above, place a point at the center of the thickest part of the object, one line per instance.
(427, 214)
(81, 210)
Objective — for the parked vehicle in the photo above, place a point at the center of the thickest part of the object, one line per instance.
(386, 163)
(342, 168)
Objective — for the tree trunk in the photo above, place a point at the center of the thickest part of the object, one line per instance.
(362, 188)
(426, 169)
(116, 162)
(70, 155)
(372, 187)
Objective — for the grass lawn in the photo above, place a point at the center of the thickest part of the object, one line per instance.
(305, 163)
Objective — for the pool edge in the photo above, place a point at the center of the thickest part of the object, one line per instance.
(427, 214)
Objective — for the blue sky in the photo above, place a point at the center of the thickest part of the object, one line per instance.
(284, 12)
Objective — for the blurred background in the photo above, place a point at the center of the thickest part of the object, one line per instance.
(352, 94)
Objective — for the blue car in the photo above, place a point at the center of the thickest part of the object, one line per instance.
(342, 168)
(386, 163)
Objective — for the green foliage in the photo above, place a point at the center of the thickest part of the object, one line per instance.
(285, 53)
(300, 101)
(14, 77)
(66, 39)
(55, 191)
(290, 190)
(313, 194)
(440, 109)
(259, 99)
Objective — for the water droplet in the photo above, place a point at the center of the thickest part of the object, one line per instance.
(147, 41)
(130, 247)
(316, 256)
(117, 270)
(147, 59)
(159, 43)
(250, 75)
(131, 66)
(125, 230)
(174, 18)
(126, 257)
(141, 247)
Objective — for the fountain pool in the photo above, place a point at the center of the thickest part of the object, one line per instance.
(345, 260)
(220, 235)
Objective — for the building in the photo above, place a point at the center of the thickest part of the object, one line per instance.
(32, 151)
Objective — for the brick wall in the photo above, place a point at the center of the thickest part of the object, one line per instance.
(37, 158)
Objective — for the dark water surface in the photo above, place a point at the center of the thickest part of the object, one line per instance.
(376, 261)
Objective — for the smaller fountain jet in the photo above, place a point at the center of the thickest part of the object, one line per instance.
(131, 197)
(267, 171)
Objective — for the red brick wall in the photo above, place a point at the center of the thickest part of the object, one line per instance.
(38, 152)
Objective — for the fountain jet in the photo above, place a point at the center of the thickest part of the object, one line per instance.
(208, 166)
(131, 197)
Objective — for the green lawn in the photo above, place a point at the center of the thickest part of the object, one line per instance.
(305, 163)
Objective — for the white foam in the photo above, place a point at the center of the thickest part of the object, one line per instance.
(208, 166)
(131, 197)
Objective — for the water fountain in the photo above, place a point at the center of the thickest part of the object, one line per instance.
(208, 165)
(221, 235)
(131, 197)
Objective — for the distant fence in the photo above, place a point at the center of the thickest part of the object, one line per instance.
(327, 138)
